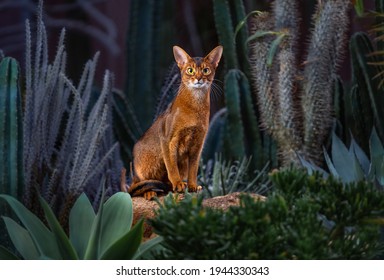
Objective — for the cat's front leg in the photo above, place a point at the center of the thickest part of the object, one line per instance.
(193, 167)
(170, 157)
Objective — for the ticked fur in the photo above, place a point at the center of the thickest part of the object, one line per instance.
(168, 153)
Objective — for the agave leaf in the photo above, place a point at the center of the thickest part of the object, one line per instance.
(358, 171)
(311, 168)
(42, 237)
(117, 219)
(92, 250)
(66, 249)
(125, 247)
(81, 219)
(5, 254)
(380, 173)
(342, 160)
(330, 165)
(377, 155)
(361, 156)
(147, 246)
(21, 239)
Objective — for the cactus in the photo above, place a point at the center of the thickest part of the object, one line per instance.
(11, 143)
(140, 57)
(241, 136)
(368, 94)
(214, 143)
(225, 31)
(297, 112)
(235, 128)
(126, 126)
(148, 44)
(11, 137)
(363, 98)
(147, 47)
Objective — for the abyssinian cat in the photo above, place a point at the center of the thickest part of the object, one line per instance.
(168, 153)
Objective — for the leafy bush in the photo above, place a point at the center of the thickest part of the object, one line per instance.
(306, 217)
(105, 235)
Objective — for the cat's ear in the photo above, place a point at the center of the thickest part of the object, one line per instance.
(214, 56)
(181, 56)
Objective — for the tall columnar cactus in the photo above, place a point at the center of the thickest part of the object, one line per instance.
(11, 136)
(149, 44)
(241, 133)
(296, 104)
(140, 58)
(359, 105)
(366, 98)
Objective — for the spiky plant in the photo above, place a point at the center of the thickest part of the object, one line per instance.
(238, 131)
(68, 142)
(295, 102)
(220, 177)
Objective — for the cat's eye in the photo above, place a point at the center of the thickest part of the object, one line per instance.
(206, 71)
(190, 71)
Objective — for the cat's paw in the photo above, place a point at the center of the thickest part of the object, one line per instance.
(194, 188)
(180, 187)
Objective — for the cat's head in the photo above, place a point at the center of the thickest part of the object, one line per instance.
(198, 72)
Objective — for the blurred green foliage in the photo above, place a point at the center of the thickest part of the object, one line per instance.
(306, 217)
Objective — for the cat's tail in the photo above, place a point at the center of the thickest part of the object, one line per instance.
(146, 188)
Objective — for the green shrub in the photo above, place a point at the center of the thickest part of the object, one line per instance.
(306, 217)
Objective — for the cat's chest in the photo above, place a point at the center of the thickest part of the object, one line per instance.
(190, 139)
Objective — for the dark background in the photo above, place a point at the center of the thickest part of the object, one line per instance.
(102, 25)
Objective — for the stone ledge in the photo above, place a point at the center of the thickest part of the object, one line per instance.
(143, 208)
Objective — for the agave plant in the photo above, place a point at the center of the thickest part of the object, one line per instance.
(222, 177)
(105, 235)
(352, 164)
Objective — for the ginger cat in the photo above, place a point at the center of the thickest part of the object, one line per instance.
(169, 151)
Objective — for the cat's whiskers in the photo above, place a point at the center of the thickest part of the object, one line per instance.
(216, 91)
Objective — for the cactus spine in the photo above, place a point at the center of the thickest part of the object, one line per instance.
(296, 106)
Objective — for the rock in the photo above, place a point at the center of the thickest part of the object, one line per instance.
(143, 208)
